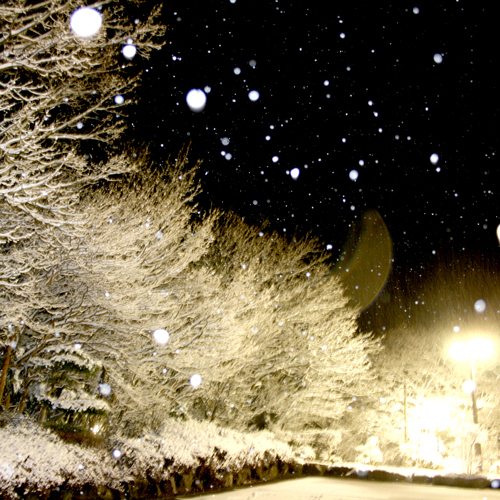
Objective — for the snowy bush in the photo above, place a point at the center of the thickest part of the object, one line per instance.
(306, 452)
(36, 459)
(226, 448)
(369, 453)
(188, 444)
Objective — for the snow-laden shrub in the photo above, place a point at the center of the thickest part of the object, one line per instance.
(38, 460)
(182, 445)
(369, 453)
(452, 465)
(140, 457)
(317, 444)
(306, 452)
(35, 459)
(226, 448)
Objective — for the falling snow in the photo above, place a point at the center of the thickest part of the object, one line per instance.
(85, 22)
(196, 100)
(253, 95)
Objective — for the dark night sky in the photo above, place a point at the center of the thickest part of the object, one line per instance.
(385, 56)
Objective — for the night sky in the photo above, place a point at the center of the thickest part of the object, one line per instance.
(342, 89)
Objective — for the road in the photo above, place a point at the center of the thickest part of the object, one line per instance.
(325, 488)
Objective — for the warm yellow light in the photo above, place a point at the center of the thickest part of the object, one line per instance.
(458, 351)
(480, 348)
(432, 414)
(475, 349)
(469, 386)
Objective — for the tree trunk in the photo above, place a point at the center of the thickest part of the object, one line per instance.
(22, 403)
(24, 395)
(5, 369)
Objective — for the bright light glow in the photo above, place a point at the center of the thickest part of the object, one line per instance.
(117, 453)
(431, 415)
(129, 51)
(438, 58)
(353, 175)
(481, 348)
(161, 336)
(475, 348)
(195, 380)
(295, 172)
(119, 99)
(434, 158)
(458, 351)
(425, 420)
(196, 100)
(469, 386)
(498, 233)
(85, 22)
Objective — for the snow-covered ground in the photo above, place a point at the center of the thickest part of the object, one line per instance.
(326, 488)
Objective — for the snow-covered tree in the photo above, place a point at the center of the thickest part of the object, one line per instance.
(417, 407)
(53, 310)
(60, 93)
(145, 236)
(300, 352)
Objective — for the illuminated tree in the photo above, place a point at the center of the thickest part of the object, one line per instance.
(417, 407)
(60, 93)
(279, 300)
(140, 253)
(54, 314)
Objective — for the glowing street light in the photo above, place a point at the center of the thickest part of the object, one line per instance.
(474, 349)
(471, 350)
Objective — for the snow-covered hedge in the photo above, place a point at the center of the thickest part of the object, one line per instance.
(34, 459)
(186, 445)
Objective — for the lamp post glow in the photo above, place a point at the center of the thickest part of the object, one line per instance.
(474, 349)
